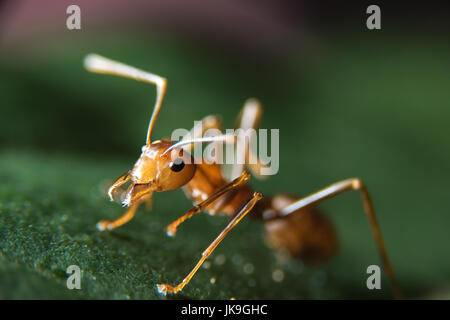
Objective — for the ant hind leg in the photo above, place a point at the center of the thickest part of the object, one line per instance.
(333, 190)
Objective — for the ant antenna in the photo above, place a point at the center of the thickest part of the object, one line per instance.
(227, 138)
(98, 64)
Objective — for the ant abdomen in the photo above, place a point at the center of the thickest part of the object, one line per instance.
(306, 233)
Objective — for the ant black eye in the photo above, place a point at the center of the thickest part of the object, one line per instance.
(177, 165)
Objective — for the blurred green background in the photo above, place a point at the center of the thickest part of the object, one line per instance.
(348, 102)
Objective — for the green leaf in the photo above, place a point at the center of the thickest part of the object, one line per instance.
(363, 108)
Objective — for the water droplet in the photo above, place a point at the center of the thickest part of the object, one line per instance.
(249, 268)
(251, 283)
(220, 259)
(212, 280)
(206, 264)
(277, 275)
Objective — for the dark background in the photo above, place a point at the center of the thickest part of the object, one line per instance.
(348, 102)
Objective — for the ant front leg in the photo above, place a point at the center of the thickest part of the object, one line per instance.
(172, 228)
(338, 188)
(136, 195)
(129, 214)
(109, 225)
(165, 288)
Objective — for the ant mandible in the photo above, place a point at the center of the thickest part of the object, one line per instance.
(292, 225)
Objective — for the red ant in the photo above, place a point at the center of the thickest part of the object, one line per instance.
(292, 225)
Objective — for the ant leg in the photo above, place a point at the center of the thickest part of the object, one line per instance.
(98, 64)
(249, 118)
(172, 228)
(117, 184)
(208, 122)
(109, 225)
(141, 193)
(338, 188)
(165, 288)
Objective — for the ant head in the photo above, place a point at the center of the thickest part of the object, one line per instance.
(157, 169)
(164, 169)
(162, 166)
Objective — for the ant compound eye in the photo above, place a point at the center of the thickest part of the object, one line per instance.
(177, 165)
